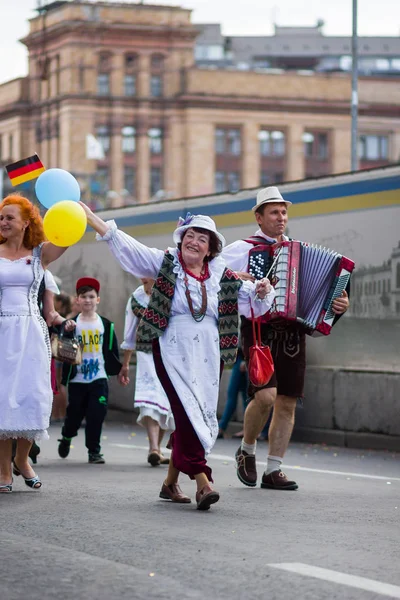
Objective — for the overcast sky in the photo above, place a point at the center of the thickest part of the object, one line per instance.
(237, 17)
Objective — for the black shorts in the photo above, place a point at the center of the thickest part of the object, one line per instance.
(287, 342)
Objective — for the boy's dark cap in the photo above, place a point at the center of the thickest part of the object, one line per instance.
(90, 281)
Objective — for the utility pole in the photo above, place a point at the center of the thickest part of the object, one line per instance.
(354, 92)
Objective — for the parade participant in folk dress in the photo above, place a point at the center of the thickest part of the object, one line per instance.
(287, 342)
(155, 411)
(192, 319)
(25, 392)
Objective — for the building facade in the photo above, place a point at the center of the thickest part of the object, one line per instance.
(376, 290)
(169, 126)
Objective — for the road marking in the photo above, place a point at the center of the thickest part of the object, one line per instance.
(229, 458)
(361, 583)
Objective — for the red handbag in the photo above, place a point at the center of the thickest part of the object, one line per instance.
(261, 364)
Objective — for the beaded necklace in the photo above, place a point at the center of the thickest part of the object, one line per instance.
(198, 315)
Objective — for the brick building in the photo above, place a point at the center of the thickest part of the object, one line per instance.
(170, 127)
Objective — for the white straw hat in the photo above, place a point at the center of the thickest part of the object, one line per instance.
(269, 195)
(201, 221)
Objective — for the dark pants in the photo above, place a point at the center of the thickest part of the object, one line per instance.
(188, 454)
(87, 400)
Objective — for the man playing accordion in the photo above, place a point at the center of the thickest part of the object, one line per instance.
(287, 343)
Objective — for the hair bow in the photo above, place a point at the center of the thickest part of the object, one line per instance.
(188, 219)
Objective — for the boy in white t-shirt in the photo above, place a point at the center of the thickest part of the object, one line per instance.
(88, 382)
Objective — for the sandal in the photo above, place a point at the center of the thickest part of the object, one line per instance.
(6, 488)
(154, 458)
(31, 482)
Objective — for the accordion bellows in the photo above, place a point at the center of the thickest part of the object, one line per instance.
(306, 278)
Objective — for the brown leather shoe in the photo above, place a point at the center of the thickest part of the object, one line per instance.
(205, 497)
(246, 467)
(174, 493)
(277, 480)
(164, 460)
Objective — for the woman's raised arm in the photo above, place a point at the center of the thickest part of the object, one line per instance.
(134, 257)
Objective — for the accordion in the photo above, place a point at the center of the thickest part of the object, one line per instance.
(306, 278)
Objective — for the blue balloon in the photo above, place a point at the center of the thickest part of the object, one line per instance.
(55, 185)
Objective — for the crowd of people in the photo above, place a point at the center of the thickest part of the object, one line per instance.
(196, 301)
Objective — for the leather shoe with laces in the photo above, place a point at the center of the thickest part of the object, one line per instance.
(174, 493)
(246, 467)
(277, 480)
(205, 497)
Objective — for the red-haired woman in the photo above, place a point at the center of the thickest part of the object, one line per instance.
(25, 391)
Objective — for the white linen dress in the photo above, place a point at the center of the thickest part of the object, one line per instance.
(25, 390)
(189, 350)
(150, 397)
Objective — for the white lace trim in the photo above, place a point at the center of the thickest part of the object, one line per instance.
(216, 267)
(112, 228)
(33, 435)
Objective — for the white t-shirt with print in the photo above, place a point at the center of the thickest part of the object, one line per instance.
(90, 334)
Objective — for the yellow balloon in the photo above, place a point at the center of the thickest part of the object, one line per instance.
(65, 223)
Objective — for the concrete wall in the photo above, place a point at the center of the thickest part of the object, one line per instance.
(342, 406)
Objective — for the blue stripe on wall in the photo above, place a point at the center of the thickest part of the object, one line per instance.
(297, 197)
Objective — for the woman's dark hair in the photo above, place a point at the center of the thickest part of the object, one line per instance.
(65, 301)
(215, 244)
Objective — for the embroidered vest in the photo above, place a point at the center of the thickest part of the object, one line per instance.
(139, 310)
(156, 317)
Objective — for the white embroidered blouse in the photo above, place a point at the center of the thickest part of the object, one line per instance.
(142, 261)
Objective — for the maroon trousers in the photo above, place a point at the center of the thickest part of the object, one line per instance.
(188, 454)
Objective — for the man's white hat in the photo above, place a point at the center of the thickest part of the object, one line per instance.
(269, 195)
(201, 221)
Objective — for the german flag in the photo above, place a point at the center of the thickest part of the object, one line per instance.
(25, 170)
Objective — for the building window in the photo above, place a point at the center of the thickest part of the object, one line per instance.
(156, 86)
(155, 180)
(11, 146)
(155, 140)
(220, 141)
(128, 139)
(373, 147)
(270, 178)
(227, 181)
(131, 61)
(398, 276)
(130, 85)
(103, 136)
(220, 182)
(234, 142)
(129, 180)
(157, 62)
(272, 143)
(316, 145)
(101, 181)
(233, 179)
(103, 84)
(228, 141)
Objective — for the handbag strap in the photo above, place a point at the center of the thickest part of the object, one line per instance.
(256, 324)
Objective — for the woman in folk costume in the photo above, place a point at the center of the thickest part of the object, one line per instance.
(192, 319)
(25, 392)
(155, 411)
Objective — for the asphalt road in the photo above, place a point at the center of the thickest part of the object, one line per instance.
(100, 532)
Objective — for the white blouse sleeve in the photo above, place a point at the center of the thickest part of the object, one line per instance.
(247, 299)
(134, 257)
(50, 282)
(130, 328)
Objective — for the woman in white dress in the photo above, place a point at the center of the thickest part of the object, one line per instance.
(154, 408)
(194, 306)
(25, 391)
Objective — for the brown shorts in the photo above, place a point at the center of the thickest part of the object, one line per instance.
(288, 348)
